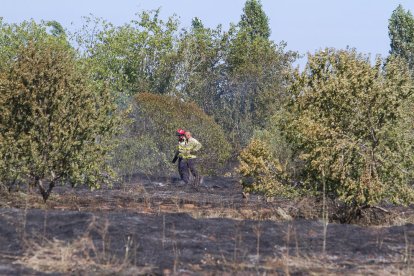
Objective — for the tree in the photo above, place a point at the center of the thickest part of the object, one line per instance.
(13, 36)
(56, 28)
(161, 116)
(255, 81)
(200, 66)
(352, 123)
(254, 21)
(54, 127)
(133, 58)
(236, 76)
(401, 33)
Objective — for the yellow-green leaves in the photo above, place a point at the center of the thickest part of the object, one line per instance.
(263, 173)
(348, 119)
(151, 140)
(54, 127)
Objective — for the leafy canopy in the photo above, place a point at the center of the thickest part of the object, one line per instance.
(262, 172)
(136, 57)
(155, 119)
(401, 33)
(351, 121)
(254, 21)
(54, 127)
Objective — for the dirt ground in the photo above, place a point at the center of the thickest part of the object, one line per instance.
(157, 227)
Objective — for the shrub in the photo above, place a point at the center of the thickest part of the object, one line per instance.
(53, 126)
(263, 173)
(350, 121)
(151, 137)
(138, 154)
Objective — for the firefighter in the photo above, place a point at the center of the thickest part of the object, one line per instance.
(188, 158)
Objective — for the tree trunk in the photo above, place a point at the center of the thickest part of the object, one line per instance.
(45, 193)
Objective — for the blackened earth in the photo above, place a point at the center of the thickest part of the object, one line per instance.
(159, 227)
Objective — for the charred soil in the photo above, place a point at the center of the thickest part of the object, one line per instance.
(156, 226)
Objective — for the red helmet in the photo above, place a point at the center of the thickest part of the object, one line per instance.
(180, 131)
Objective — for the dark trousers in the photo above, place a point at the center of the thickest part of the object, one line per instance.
(185, 166)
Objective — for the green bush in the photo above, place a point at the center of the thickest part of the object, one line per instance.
(151, 136)
(348, 125)
(54, 128)
(263, 173)
(138, 154)
(352, 122)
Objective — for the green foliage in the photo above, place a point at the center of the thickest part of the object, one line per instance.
(199, 68)
(254, 21)
(151, 137)
(235, 76)
(280, 149)
(231, 77)
(253, 85)
(139, 154)
(350, 121)
(54, 127)
(56, 28)
(263, 173)
(257, 70)
(13, 36)
(401, 32)
(136, 57)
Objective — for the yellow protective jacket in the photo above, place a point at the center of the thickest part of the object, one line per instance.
(187, 148)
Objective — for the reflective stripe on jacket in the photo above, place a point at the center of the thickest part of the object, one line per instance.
(187, 148)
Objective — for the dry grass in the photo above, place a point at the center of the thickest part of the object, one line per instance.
(310, 265)
(85, 256)
(147, 199)
(80, 255)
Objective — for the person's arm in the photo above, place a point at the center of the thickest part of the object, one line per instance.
(179, 149)
(196, 145)
(175, 156)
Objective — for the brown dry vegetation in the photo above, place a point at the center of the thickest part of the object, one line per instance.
(156, 227)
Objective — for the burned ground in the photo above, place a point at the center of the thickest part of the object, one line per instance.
(155, 226)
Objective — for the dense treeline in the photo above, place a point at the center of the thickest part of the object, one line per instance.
(77, 107)
(346, 128)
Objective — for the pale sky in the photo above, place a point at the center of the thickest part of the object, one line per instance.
(306, 25)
